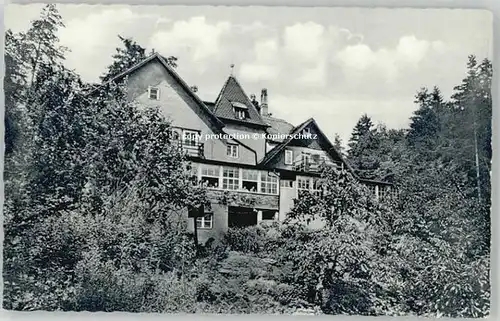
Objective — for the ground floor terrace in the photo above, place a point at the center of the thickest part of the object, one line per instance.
(245, 196)
(233, 209)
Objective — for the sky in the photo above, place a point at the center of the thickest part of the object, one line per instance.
(332, 64)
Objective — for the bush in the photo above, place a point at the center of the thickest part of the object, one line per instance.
(104, 287)
(252, 239)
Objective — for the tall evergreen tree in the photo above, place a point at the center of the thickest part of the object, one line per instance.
(337, 143)
(362, 127)
(425, 123)
(14, 83)
(362, 141)
(40, 44)
(127, 56)
(33, 59)
(472, 103)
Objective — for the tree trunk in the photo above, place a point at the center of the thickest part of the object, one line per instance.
(195, 232)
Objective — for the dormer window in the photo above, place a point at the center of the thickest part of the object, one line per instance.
(154, 93)
(240, 110)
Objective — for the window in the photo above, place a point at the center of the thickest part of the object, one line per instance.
(372, 189)
(381, 192)
(288, 157)
(286, 183)
(269, 183)
(385, 192)
(268, 215)
(210, 175)
(232, 151)
(154, 93)
(190, 137)
(317, 187)
(205, 221)
(230, 178)
(310, 184)
(250, 180)
(303, 184)
(392, 191)
(306, 131)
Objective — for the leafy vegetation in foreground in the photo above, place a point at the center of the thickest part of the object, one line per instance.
(94, 190)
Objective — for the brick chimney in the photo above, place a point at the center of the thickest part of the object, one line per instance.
(264, 108)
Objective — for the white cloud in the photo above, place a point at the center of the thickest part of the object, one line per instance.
(412, 50)
(265, 66)
(339, 115)
(82, 33)
(93, 38)
(256, 72)
(439, 46)
(266, 50)
(162, 20)
(255, 26)
(300, 58)
(313, 77)
(342, 37)
(305, 41)
(194, 37)
(409, 52)
(357, 56)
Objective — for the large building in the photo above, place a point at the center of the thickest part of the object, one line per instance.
(236, 146)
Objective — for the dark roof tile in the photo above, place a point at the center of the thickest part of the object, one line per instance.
(233, 94)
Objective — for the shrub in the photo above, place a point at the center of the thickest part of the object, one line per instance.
(252, 239)
(104, 287)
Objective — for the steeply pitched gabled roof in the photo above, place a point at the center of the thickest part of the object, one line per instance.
(156, 56)
(297, 130)
(232, 94)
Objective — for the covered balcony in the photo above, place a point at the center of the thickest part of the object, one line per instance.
(313, 163)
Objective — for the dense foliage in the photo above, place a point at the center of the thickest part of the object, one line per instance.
(95, 191)
(93, 184)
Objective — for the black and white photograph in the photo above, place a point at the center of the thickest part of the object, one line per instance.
(247, 160)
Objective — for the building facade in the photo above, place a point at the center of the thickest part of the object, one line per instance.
(253, 164)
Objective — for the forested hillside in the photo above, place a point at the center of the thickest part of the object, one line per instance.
(94, 191)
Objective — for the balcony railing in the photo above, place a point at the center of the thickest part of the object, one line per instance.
(312, 165)
(193, 149)
(305, 165)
